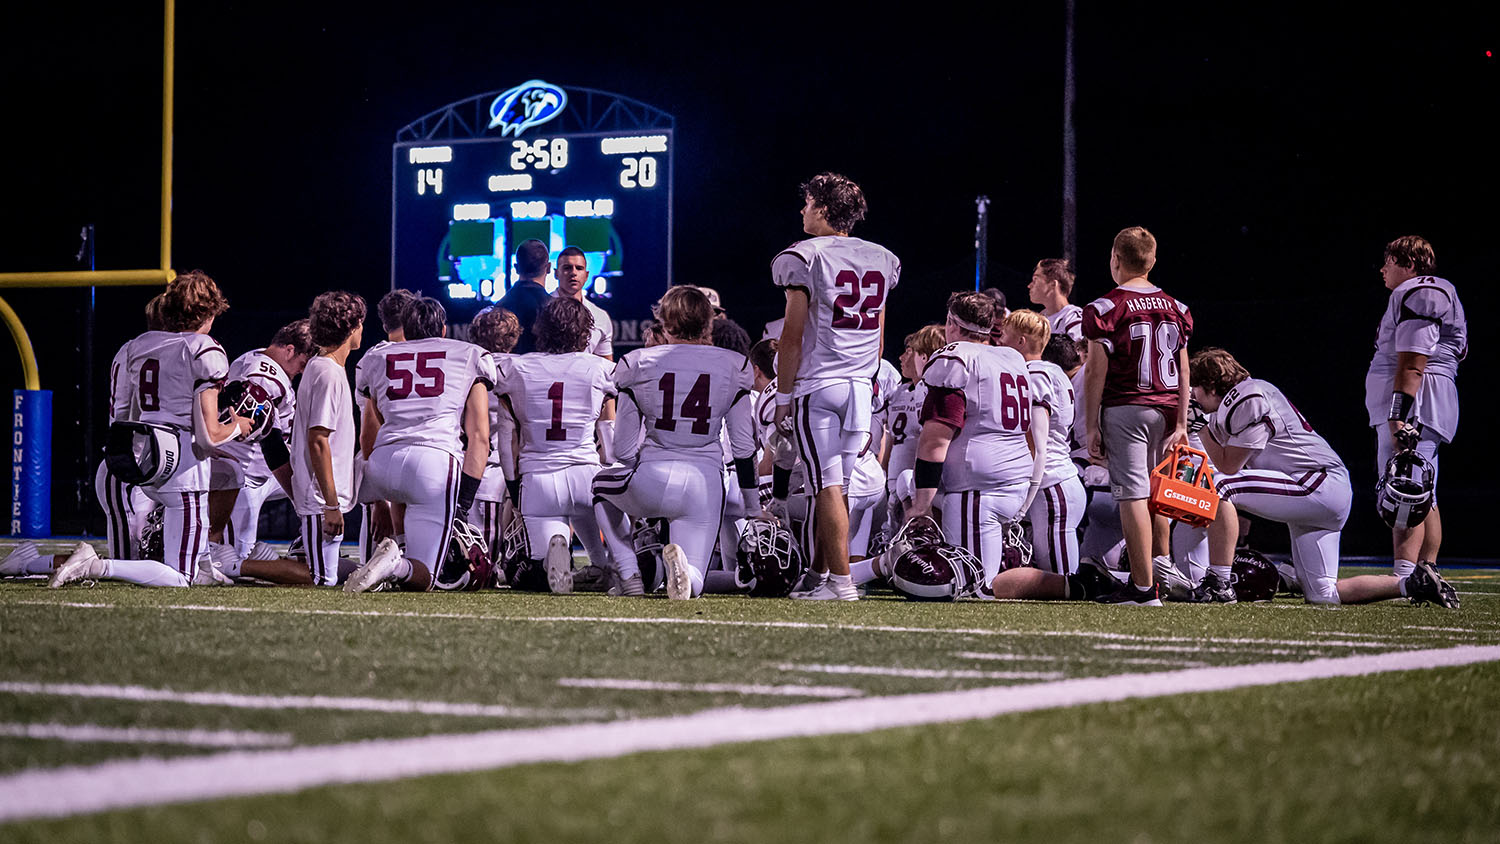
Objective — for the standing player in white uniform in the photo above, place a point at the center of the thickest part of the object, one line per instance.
(836, 289)
(555, 396)
(243, 478)
(1051, 285)
(904, 420)
(496, 330)
(572, 274)
(1274, 465)
(1412, 379)
(431, 403)
(174, 377)
(1059, 504)
(682, 395)
(324, 435)
(974, 456)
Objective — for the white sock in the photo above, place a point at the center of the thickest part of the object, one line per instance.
(144, 573)
(1401, 585)
(841, 580)
(1224, 573)
(862, 571)
(403, 570)
(1403, 568)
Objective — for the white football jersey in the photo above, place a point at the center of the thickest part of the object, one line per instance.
(847, 281)
(904, 420)
(786, 455)
(362, 379)
(120, 392)
(324, 400)
(1050, 388)
(990, 449)
(420, 388)
(683, 395)
(556, 400)
(887, 381)
(1078, 435)
(602, 336)
(1068, 320)
(257, 368)
(1255, 415)
(166, 370)
(1423, 316)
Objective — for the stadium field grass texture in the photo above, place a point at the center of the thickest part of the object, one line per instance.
(230, 678)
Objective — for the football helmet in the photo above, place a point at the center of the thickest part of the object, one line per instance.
(250, 400)
(916, 533)
(648, 542)
(769, 559)
(937, 572)
(466, 566)
(1197, 417)
(151, 545)
(141, 454)
(1254, 577)
(515, 551)
(1405, 492)
(1017, 553)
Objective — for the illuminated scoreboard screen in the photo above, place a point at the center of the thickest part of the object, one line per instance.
(540, 164)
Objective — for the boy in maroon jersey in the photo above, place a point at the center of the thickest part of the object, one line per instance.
(1136, 395)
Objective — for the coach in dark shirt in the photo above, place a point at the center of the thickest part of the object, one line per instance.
(527, 296)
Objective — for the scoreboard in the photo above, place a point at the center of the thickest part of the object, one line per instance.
(569, 167)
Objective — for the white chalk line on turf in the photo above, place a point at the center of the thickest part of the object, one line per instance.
(919, 673)
(92, 733)
(1010, 657)
(1201, 649)
(718, 622)
(240, 701)
(709, 688)
(142, 782)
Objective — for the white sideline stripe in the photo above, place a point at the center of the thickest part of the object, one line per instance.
(1200, 649)
(1445, 629)
(1008, 657)
(789, 625)
(711, 688)
(921, 673)
(141, 735)
(239, 701)
(142, 782)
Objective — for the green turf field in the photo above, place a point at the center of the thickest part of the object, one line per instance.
(278, 674)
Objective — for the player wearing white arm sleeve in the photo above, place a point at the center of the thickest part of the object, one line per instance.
(1274, 465)
(682, 395)
(1423, 335)
(974, 457)
(1051, 285)
(432, 409)
(175, 376)
(1057, 508)
(555, 398)
(836, 289)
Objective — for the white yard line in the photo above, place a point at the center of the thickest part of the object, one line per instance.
(709, 688)
(241, 701)
(1446, 629)
(1008, 657)
(788, 625)
(1200, 649)
(89, 733)
(141, 782)
(920, 673)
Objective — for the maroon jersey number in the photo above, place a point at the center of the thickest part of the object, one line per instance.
(1158, 361)
(425, 379)
(898, 428)
(852, 287)
(1015, 403)
(694, 405)
(557, 431)
(150, 381)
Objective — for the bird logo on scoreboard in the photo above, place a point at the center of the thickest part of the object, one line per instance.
(528, 104)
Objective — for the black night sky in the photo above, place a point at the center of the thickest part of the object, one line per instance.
(1272, 150)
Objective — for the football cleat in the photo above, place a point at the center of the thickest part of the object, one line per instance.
(1092, 580)
(19, 558)
(1213, 590)
(679, 582)
(298, 549)
(207, 574)
(829, 592)
(1425, 586)
(811, 582)
(82, 564)
(1290, 583)
(1130, 595)
(262, 551)
(591, 578)
(378, 569)
(630, 587)
(559, 566)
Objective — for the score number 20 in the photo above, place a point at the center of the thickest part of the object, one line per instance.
(638, 172)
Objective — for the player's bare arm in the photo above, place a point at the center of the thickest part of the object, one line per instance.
(789, 351)
(1184, 395)
(932, 450)
(208, 431)
(320, 454)
(369, 428)
(1409, 369)
(1094, 371)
